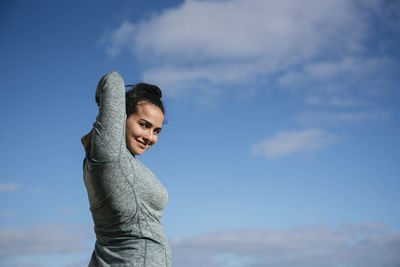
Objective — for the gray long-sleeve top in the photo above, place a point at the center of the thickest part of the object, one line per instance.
(126, 198)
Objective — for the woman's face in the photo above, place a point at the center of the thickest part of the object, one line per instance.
(143, 127)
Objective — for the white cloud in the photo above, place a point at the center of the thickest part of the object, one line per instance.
(9, 187)
(364, 245)
(67, 210)
(339, 118)
(208, 30)
(119, 39)
(348, 82)
(286, 143)
(234, 42)
(13, 187)
(25, 264)
(80, 263)
(36, 189)
(7, 215)
(45, 238)
(233, 260)
(358, 245)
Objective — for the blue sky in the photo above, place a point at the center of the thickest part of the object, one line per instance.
(281, 147)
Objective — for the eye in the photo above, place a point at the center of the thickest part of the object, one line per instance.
(157, 131)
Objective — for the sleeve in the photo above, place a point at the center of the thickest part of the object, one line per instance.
(109, 129)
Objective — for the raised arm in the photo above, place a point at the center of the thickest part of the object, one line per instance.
(109, 128)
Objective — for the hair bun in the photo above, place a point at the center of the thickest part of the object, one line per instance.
(143, 92)
(148, 89)
(156, 91)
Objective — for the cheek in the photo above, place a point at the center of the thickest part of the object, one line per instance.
(131, 131)
(128, 134)
(155, 139)
(130, 126)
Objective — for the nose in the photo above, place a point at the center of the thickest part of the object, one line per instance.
(149, 137)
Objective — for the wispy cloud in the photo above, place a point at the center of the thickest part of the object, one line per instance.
(36, 189)
(67, 210)
(364, 245)
(7, 215)
(25, 264)
(13, 187)
(334, 54)
(286, 143)
(236, 42)
(49, 238)
(319, 118)
(348, 82)
(9, 187)
(118, 39)
(357, 245)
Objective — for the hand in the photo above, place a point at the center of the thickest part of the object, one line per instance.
(86, 141)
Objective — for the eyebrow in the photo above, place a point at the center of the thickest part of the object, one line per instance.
(150, 124)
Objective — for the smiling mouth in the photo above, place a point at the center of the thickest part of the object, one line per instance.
(141, 144)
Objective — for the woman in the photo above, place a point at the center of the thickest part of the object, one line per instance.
(126, 199)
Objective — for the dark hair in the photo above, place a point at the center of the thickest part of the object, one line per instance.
(142, 92)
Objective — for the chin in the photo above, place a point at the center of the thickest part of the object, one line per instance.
(136, 152)
(139, 151)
